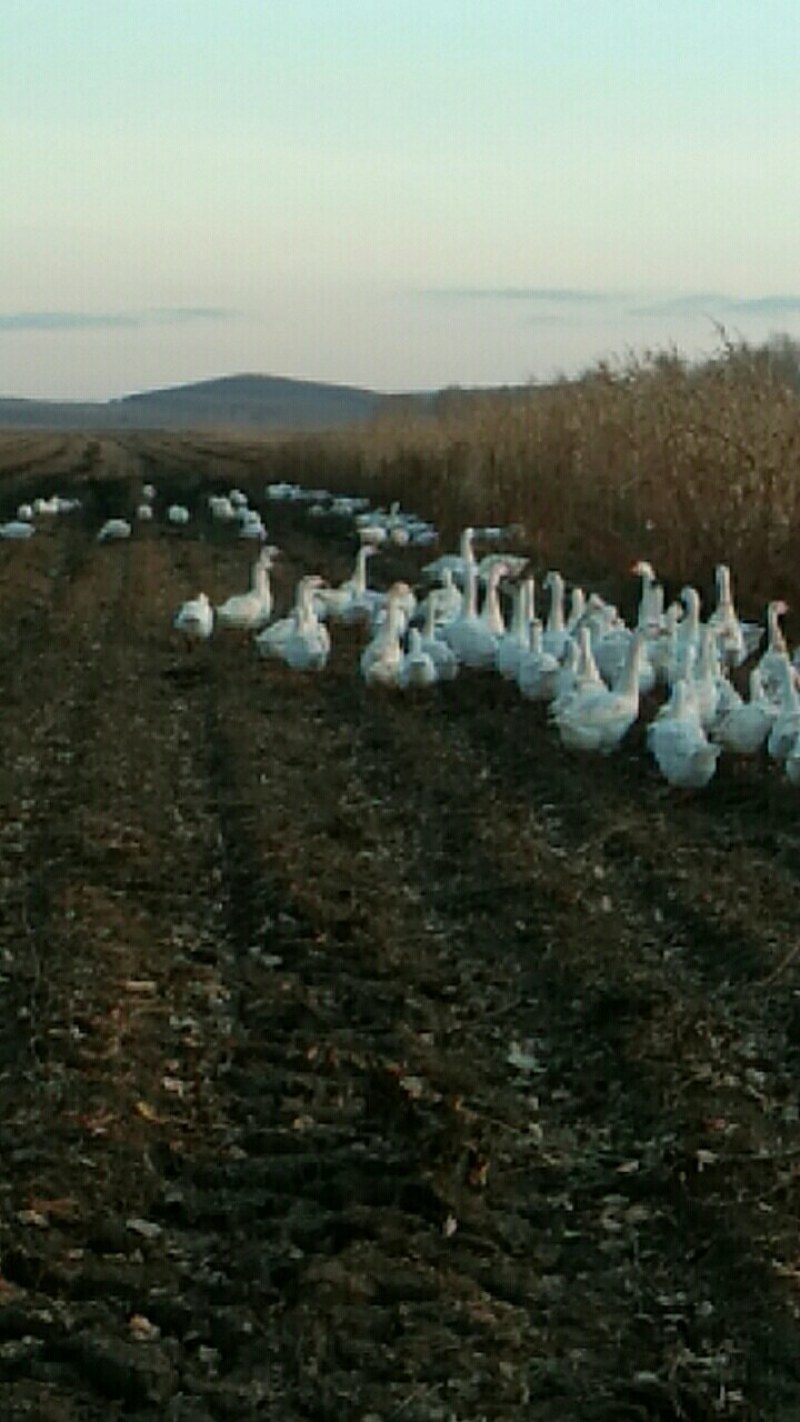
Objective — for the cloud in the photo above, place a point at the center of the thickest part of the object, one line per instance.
(716, 304)
(546, 295)
(109, 320)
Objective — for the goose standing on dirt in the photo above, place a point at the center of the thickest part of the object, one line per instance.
(744, 729)
(538, 669)
(114, 529)
(517, 639)
(443, 657)
(417, 669)
(468, 636)
(555, 634)
(17, 528)
(684, 755)
(250, 611)
(597, 719)
(384, 646)
(269, 642)
(786, 726)
(195, 620)
(308, 645)
(177, 514)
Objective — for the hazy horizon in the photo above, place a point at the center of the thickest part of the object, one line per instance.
(391, 196)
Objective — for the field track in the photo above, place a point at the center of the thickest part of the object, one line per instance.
(366, 1058)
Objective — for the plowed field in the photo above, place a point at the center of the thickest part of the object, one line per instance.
(366, 1058)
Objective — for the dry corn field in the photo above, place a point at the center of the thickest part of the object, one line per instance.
(366, 1058)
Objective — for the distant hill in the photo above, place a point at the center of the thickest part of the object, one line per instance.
(235, 401)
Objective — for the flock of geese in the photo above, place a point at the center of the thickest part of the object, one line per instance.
(595, 673)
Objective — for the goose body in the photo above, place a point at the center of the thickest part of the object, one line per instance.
(16, 528)
(177, 514)
(252, 610)
(684, 755)
(417, 669)
(786, 726)
(113, 529)
(469, 637)
(597, 719)
(537, 674)
(745, 728)
(195, 619)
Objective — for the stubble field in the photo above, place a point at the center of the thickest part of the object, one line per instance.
(366, 1058)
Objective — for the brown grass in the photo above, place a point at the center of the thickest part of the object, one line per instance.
(685, 465)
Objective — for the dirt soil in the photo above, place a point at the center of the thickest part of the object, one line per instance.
(366, 1058)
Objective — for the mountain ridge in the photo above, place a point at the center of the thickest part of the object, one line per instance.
(242, 401)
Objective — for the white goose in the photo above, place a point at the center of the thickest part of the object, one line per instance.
(597, 719)
(491, 614)
(195, 620)
(555, 635)
(771, 663)
(537, 674)
(417, 669)
(270, 642)
(252, 610)
(443, 657)
(352, 599)
(308, 644)
(786, 726)
(468, 636)
(517, 639)
(686, 758)
(744, 729)
(385, 644)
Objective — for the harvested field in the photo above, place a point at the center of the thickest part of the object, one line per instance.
(366, 1058)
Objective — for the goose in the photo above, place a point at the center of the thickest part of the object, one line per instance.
(455, 563)
(195, 620)
(491, 614)
(577, 608)
(516, 641)
(448, 599)
(651, 600)
(418, 668)
(308, 645)
(114, 528)
(468, 636)
(177, 514)
(687, 636)
(443, 657)
(269, 642)
(585, 676)
(148, 492)
(663, 648)
(537, 675)
(144, 513)
(705, 676)
(17, 529)
(352, 599)
(252, 610)
(597, 719)
(771, 663)
(745, 728)
(385, 643)
(685, 757)
(25, 513)
(786, 726)
(555, 635)
(737, 640)
(221, 508)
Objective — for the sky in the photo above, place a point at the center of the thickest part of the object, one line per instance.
(399, 194)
